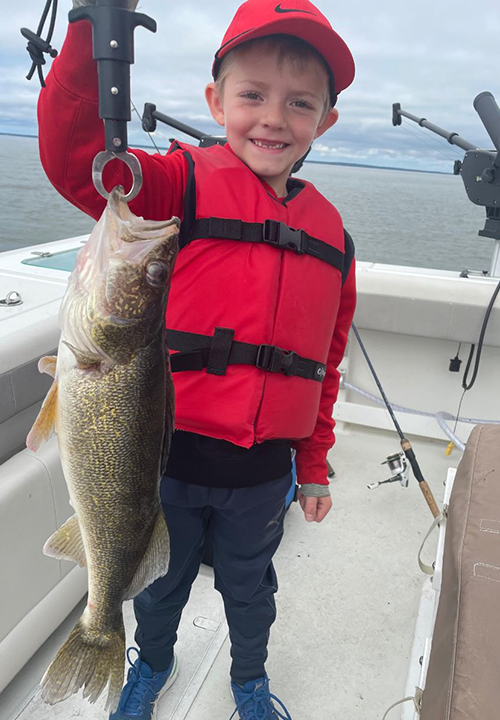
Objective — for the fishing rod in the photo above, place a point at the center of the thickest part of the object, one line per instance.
(392, 460)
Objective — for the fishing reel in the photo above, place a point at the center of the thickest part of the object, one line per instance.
(398, 465)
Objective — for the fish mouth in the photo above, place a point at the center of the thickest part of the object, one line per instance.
(131, 229)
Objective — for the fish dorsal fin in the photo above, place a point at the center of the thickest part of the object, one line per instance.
(67, 543)
(48, 365)
(84, 359)
(154, 563)
(44, 424)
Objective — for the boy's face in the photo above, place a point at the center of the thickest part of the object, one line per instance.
(271, 112)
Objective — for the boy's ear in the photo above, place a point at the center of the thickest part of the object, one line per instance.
(328, 122)
(214, 102)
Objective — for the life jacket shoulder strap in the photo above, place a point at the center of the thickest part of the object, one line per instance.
(189, 214)
(348, 255)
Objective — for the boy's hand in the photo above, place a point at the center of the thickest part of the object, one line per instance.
(315, 508)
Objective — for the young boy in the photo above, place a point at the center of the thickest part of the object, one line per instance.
(260, 306)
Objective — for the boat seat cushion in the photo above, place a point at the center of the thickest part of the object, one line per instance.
(462, 679)
(34, 502)
(22, 390)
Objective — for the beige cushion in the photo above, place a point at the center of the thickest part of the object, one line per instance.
(462, 679)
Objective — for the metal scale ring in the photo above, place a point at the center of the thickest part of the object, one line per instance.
(102, 158)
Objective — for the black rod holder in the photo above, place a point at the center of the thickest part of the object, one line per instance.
(480, 169)
(113, 26)
(151, 115)
(452, 137)
(486, 107)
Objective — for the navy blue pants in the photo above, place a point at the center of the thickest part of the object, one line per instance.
(246, 526)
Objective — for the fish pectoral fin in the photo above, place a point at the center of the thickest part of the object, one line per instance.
(67, 543)
(84, 359)
(44, 424)
(154, 563)
(47, 365)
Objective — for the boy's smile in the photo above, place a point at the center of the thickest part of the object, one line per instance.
(272, 111)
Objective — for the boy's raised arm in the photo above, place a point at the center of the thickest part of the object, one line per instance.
(71, 134)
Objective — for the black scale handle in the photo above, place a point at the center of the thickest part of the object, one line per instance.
(113, 26)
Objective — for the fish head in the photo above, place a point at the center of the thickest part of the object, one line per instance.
(116, 301)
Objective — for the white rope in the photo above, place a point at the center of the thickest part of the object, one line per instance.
(417, 701)
(439, 416)
(401, 408)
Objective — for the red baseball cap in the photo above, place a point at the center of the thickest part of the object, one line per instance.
(300, 18)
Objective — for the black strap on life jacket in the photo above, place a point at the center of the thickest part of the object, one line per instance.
(348, 255)
(270, 232)
(215, 352)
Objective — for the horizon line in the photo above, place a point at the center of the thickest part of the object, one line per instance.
(316, 162)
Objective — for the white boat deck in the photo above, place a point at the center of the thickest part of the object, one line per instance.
(348, 599)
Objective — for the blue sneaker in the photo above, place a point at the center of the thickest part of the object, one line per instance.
(254, 701)
(142, 689)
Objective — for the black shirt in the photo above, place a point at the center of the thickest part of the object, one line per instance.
(202, 460)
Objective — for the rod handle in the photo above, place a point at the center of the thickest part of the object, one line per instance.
(429, 498)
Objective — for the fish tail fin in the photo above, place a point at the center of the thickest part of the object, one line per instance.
(89, 659)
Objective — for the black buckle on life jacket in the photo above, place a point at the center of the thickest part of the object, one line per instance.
(280, 235)
(274, 359)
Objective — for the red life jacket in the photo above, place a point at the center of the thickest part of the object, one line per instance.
(227, 293)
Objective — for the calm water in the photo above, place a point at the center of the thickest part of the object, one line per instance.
(396, 217)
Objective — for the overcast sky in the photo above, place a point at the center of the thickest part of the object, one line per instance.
(432, 56)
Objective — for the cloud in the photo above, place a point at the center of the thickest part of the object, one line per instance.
(432, 57)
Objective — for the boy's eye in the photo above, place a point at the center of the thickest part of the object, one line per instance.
(303, 104)
(251, 95)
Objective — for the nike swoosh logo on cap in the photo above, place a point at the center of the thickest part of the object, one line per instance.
(279, 9)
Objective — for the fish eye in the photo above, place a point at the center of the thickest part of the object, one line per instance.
(156, 273)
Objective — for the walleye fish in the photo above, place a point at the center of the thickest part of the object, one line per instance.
(112, 406)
